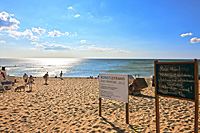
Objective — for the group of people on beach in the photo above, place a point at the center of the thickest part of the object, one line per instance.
(30, 80)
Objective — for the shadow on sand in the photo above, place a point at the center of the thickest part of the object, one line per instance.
(145, 96)
(29, 91)
(117, 128)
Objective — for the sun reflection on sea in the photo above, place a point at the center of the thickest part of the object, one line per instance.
(39, 66)
(55, 61)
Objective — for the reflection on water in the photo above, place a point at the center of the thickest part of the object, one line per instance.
(39, 66)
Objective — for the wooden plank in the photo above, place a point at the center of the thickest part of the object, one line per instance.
(196, 97)
(180, 98)
(127, 113)
(100, 104)
(156, 102)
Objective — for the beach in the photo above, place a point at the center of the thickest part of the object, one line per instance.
(72, 105)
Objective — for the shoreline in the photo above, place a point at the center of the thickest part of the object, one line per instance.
(72, 105)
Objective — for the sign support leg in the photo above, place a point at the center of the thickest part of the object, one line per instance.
(100, 99)
(157, 115)
(127, 113)
(127, 108)
(196, 97)
(196, 116)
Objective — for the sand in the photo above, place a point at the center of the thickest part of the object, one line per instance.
(72, 105)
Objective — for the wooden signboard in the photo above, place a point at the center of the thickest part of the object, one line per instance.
(114, 87)
(176, 80)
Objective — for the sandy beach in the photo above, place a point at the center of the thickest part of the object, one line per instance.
(72, 105)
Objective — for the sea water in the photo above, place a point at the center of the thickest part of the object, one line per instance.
(75, 67)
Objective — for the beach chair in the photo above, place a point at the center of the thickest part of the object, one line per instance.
(4, 80)
(2, 89)
(137, 85)
(12, 79)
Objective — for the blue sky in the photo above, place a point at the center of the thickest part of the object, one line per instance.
(100, 28)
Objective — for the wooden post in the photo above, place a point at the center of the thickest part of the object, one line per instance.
(127, 113)
(156, 101)
(127, 106)
(196, 96)
(157, 114)
(100, 99)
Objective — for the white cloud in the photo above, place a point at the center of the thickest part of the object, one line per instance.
(13, 32)
(121, 51)
(54, 46)
(195, 40)
(77, 15)
(67, 33)
(55, 33)
(27, 34)
(51, 46)
(39, 30)
(90, 15)
(34, 38)
(98, 49)
(37, 44)
(72, 35)
(1, 41)
(70, 8)
(186, 34)
(7, 22)
(13, 36)
(75, 34)
(84, 47)
(83, 41)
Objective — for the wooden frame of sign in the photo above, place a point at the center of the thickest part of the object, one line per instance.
(127, 103)
(176, 80)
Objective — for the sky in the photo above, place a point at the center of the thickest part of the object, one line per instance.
(100, 28)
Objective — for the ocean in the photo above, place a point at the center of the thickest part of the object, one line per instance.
(74, 67)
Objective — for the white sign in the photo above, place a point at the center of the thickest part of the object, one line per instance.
(113, 87)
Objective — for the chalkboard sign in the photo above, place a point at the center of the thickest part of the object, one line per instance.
(176, 79)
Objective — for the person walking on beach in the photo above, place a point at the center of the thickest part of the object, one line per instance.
(46, 76)
(30, 81)
(61, 75)
(25, 77)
